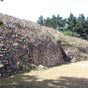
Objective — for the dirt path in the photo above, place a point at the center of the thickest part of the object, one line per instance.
(79, 69)
(80, 64)
(73, 75)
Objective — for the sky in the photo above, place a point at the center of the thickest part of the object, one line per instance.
(32, 9)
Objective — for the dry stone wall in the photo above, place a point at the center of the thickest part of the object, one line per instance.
(23, 43)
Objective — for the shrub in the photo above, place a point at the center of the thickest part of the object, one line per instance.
(68, 33)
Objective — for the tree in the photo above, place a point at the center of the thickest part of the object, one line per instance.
(60, 22)
(48, 22)
(71, 22)
(40, 20)
(82, 26)
(75, 26)
(81, 17)
(54, 22)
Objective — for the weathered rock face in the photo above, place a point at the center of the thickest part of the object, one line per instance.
(23, 43)
(75, 48)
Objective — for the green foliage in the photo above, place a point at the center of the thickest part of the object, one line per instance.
(65, 43)
(55, 22)
(71, 22)
(68, 33)
(40, 20)
(72, 26)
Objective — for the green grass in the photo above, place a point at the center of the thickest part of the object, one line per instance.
(68, 33)
(64, 43)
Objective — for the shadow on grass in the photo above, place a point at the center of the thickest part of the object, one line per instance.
(24, 81)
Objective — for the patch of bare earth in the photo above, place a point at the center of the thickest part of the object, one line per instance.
(73, 75)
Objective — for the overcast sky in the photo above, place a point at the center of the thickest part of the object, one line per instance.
(32, 9)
